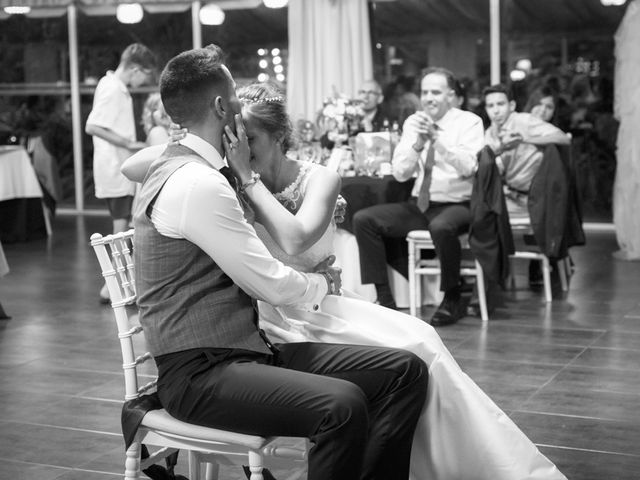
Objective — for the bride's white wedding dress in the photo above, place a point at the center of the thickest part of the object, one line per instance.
(461, 433)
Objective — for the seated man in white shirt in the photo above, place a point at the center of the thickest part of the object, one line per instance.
(198, 265)
(517, 140)
(438, 147)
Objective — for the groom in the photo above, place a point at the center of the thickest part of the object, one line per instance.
(198, 265)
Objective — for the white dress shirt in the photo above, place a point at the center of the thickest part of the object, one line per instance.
(460, 138)
(520, 164)
(198, 204)
(112, 109)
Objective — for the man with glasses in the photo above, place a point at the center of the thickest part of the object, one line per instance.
(438, 147)
(113, 127)
(371, 96)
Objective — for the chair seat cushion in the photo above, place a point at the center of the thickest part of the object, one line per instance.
(161, 420)
(419, 235)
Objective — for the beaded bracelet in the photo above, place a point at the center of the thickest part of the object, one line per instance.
(255, 177)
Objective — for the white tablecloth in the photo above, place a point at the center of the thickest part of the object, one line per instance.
(17, 176)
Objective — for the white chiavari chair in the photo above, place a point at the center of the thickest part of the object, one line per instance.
(208, 447)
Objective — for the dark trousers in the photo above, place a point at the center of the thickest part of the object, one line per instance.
(358, 405)
(445, 222)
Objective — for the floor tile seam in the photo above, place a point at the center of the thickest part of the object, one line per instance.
(66, 396)
(521, 310)
(545, 384)
(60, 427)
(589, 450)
(569, 415)
(552, 378)
(567, 329)
(98, 399)
(498, 360)
(60, 467)
(617, 349)
(71, 369)
(497, 339)
(475, 359)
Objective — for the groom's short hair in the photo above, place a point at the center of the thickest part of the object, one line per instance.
(189, 79)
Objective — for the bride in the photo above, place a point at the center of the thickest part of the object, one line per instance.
(461, 433)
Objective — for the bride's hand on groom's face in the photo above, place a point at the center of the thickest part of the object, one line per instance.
(236, 148)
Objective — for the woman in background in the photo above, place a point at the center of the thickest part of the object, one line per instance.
(155, 120)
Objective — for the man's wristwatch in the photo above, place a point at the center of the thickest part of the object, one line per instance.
(417, 148)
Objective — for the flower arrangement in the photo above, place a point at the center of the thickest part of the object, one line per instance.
(339, 116)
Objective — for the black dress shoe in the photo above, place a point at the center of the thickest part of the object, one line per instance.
(449, 312)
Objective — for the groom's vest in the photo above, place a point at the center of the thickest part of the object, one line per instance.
(186, 301)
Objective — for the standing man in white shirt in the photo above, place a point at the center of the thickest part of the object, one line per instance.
(438, 147)
(198, 265)
(113, 127)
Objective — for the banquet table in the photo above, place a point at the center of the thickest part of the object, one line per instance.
(22, 216)
(362, 192)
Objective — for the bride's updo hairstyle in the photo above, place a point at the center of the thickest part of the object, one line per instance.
(265, 104)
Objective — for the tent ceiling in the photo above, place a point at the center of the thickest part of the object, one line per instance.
(249, 21)
(419, 16)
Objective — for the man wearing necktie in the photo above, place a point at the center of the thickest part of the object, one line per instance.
(438, 147)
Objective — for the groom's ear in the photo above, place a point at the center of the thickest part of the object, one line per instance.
(218, 107)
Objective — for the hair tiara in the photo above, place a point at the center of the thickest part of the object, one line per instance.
(256, 101)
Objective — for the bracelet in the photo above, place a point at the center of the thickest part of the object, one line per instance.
(255, 177)
(330, 283)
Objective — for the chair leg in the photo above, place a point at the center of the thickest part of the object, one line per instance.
(255, 465)
(546, 277)
(194, 466)
(412, 279)
(47, 219)
(563, 273)
(3, 314)
(482, 292)
(213, 471)
(511, 279)
(132, 461)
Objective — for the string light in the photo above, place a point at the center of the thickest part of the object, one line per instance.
(211, 14)
(129, 13)
(17, 10)
(275, 3)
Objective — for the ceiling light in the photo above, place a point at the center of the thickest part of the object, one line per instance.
(612, 3)
(517, 75)
(211, 14)
(275, 3)
(524, 64)
(17, 10)
(129, 13)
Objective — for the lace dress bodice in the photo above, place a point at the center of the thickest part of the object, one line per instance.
(291, 198)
